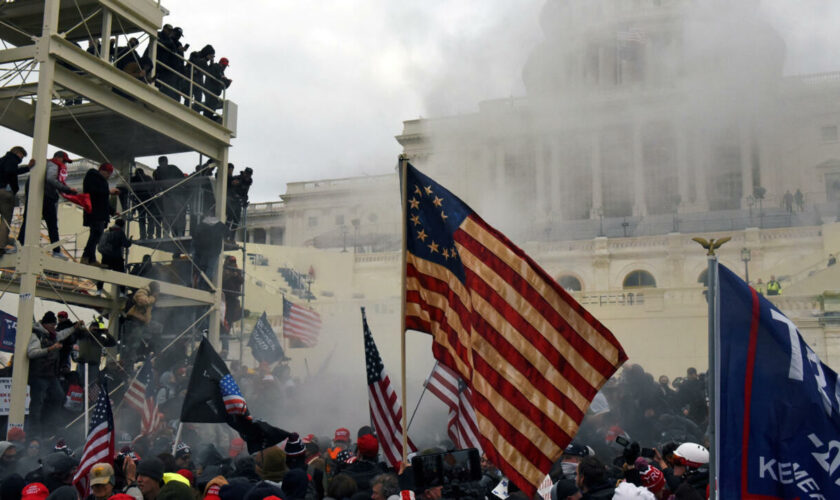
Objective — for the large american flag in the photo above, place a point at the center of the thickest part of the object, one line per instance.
(300, 325)
(142, 396)
(447, 385)
(100, 442)
(232, 396)
(532, 356)
(385, 408)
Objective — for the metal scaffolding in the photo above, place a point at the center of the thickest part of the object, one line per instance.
(116, 117)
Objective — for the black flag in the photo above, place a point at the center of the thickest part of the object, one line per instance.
(203, 401)
(213, 397)
(264, 343)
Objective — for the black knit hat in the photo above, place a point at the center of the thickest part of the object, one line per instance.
(49, 318)
(151, 467)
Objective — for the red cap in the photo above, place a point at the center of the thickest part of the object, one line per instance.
(224, 61)
(16, 433)
(187, 474)
(106, 167)
(342, 435)
(62, 314)
(368, 446)
(653, 479)
(34, 491)
(121, 496)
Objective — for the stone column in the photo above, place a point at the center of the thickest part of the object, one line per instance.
(639, 204)
(595, 163)
(702, 150)
(682, 165)
(745, 133)
(540, 179)
(555, 174)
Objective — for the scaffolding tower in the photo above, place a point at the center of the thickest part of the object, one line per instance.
(85, 104)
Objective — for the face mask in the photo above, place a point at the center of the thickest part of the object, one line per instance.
(569, 469)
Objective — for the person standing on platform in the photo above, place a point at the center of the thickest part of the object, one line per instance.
(44, 370)
(10, 169)
(111, 247)
(139, 325)
(142, 187)
(95, 184)
(54, 184)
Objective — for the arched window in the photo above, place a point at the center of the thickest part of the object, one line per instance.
(639, 279)
(570, 283)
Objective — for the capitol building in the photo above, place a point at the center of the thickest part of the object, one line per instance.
(646, 123)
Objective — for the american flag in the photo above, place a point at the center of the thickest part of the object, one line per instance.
(100, 442)
(447, 385)
(532, 356)
(141, 395)
(300, 325)
(385, 408)
(232, 396)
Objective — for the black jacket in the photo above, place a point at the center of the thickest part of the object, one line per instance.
(10, 170)
(603, 491)
(112, 243)
(97, 186)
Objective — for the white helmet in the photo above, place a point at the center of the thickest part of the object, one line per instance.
(691, 455)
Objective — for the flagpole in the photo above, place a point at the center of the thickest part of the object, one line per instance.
(177, 437)
(403, 165)
(87, 402)
(713, 300)
(420, 399)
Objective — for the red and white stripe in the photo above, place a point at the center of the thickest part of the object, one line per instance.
(462, 428)
(386, 413)
(531, 355)
(235, 405)
(303, 325)
(150, 417)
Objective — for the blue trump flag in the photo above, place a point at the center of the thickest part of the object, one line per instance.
(8, 332)
(779, 432)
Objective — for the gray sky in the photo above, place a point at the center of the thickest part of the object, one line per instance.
(323, 87)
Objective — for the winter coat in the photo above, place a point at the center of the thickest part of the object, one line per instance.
(144, 302)
(603, 491)
(42, 361)
(97, 187)
(54, 180)
(363, 472)
(112, 243)
(216, 81)
(10, 170)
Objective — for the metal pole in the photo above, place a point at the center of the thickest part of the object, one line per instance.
(404, 195)
(221, 214)
(87, 400)
(244, 263)
(30, 256)
(711, 377)
(177, 437)
(105, 39)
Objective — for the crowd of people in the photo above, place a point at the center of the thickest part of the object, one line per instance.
(642, 438)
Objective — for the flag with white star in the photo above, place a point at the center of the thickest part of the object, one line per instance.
(385, 408)
(531, 357)
(99, 447)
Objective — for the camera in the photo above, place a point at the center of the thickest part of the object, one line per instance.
(458, 472)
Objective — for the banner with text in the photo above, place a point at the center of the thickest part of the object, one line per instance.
(8, 330)
(779, 404)
(6, 396)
